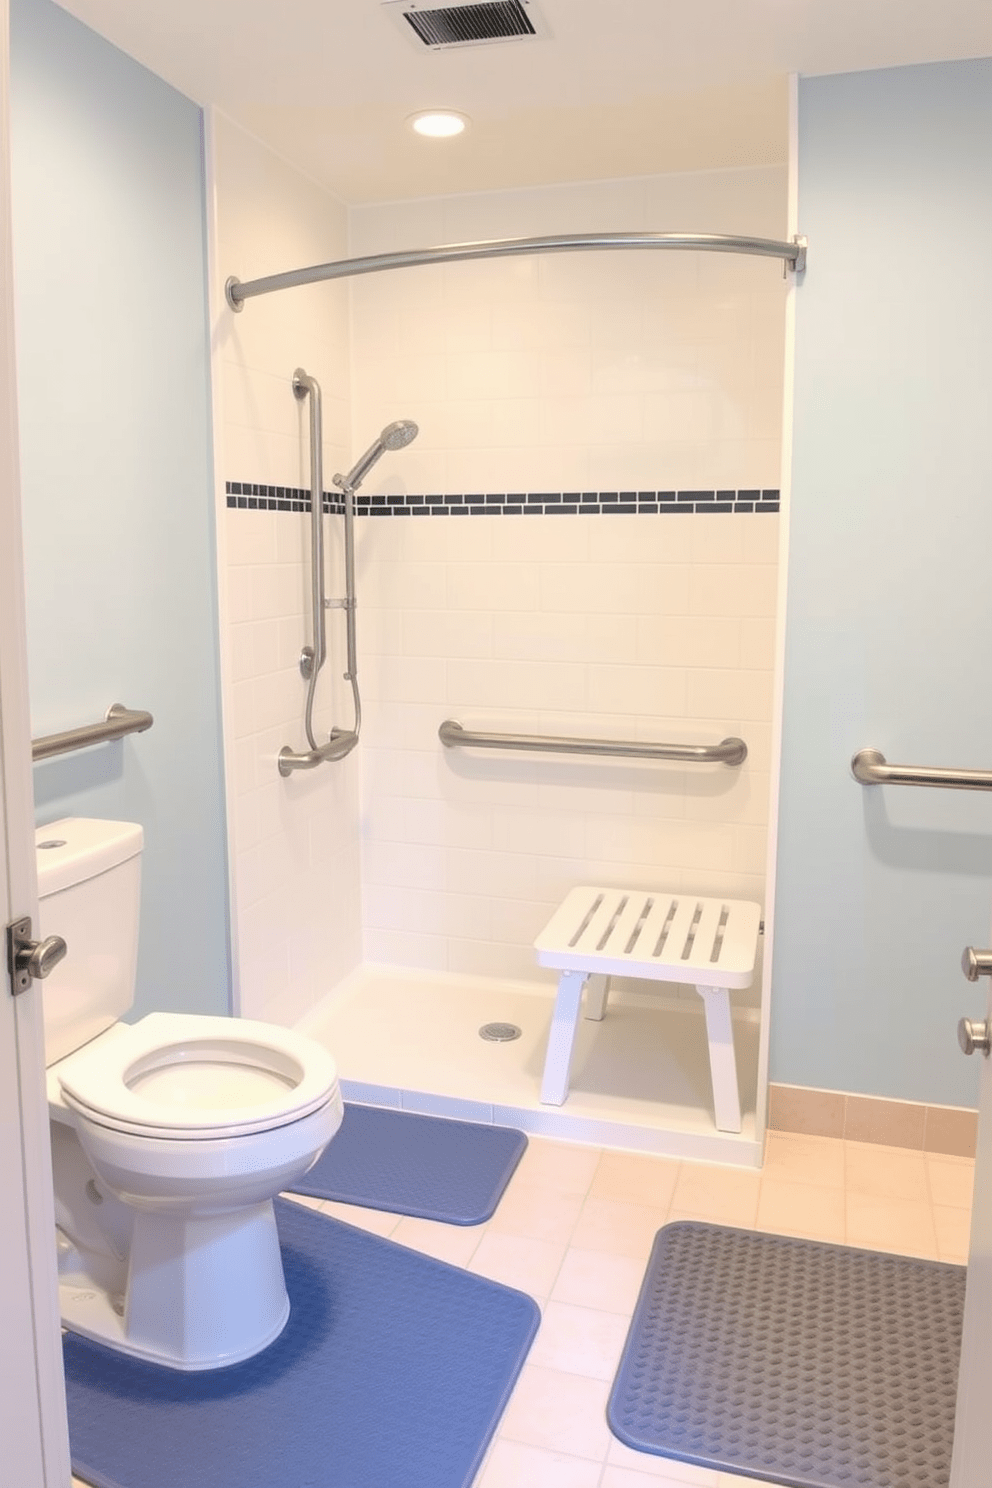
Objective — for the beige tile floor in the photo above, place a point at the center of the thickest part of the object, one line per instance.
(574, 1229)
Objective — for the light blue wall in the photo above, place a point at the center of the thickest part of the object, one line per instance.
(890, 584)
(112, 345)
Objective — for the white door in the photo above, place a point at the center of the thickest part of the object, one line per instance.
(971, 1466)
(33, 1436)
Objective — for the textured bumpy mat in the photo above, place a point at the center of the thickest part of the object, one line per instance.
(392, 1372)
(817, 1366)
(427, 1166)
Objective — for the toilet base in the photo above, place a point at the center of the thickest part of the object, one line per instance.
(195, 1292)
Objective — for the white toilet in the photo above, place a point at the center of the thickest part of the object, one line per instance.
(170, 1136)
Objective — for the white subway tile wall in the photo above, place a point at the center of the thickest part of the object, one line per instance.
(591, 371)
(294, 843)
(467, 853)
(565, 372)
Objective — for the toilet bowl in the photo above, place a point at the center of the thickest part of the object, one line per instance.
(189, 1126)
(170, 1138)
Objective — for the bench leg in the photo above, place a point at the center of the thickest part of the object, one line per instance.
(597, 991)
(561, 1038)
(723, 1064)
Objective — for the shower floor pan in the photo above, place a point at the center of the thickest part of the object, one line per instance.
(640, 1079)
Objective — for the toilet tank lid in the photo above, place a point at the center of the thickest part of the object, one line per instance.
(76, 848)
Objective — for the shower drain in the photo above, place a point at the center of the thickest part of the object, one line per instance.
(500, 1033)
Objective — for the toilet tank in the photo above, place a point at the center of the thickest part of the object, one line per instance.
(89, 888)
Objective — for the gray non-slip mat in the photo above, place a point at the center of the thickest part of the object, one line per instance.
(392, 1372)
(811, 1365)
(427, 1166)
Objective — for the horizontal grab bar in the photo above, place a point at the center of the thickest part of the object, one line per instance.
(869, 766)
(727, 752)
(118, 722)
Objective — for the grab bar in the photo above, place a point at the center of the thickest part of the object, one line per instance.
(869, 766)
(118, 721)
(312, 658)
(303, 385)
(728, 752)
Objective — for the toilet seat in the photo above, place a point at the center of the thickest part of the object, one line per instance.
(181, 1076)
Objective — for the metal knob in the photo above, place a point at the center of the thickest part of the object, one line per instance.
(40, 957)
(972, 1036)
(976, 964)
(27, 958)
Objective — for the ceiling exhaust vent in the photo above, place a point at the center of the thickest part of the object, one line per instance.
(439, 24)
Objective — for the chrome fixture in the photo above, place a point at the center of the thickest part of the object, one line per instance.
(313, 657)
(500, 1033)
(870, 767)
(730, 751)
(394, 436)
(976, 964)
(340, 742)
(29, 960)
(972, 1036)
(793, 255)
(118, 721)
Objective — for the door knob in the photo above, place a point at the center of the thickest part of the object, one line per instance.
(976, 964)
(29, 959)
(972, 1036)
(40, 957)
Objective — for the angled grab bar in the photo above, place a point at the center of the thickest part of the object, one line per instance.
(870, 767)
(728, 752)
(118, 722)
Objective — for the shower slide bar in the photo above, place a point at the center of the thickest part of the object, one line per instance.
(728, 752)
(117, 722)
(793, 255)
(870, 767)
(395, 436)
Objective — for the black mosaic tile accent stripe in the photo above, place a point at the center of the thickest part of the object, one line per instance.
(245, 495)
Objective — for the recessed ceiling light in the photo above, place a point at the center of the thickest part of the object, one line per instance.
(439, 123)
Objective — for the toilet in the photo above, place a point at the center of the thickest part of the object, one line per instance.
(170, 1136)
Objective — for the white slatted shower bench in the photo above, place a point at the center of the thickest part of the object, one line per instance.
(653, 936)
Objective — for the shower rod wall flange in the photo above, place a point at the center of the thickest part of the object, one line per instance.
(792, 253)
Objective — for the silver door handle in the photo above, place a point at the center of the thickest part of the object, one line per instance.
(976, 964)
(29, 959)
(972, 1036)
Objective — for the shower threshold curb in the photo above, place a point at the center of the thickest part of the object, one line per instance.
(744, 1150)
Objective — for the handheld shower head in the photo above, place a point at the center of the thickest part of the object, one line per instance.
(394, 436)
(399, 434)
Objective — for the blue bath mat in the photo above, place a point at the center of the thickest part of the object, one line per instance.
(427, 1166)
(811, 1365)
(392, 1372)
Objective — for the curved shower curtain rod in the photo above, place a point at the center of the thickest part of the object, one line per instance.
(793, 255)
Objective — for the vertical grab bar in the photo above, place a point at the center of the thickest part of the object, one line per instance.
(304, 385)
(312, 658)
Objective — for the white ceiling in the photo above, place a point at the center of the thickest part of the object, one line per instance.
(621, 88)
